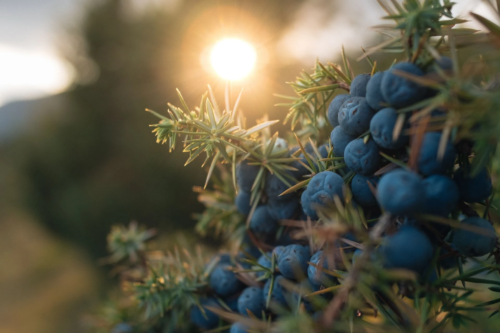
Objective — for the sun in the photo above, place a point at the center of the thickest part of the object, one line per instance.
(233, 59)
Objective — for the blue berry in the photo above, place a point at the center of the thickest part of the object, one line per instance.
(251, 299)
(262, 223)
(242, 202)
(279, 250)
(249, 248)
(320, 191)
(449, 261)
(224, 282)
(445, 63)
(285, 238)
(301, 169)
(238, 328)
(350, 236)
(428, 161)
(441, 195)
(382, 129)
(356, 255)
(374, 256)
(274, 187)
(278, 292)
(473, 189)
(401, 192)
(232, 303)
(284, 210)
(340, 139)
(280, 146)
(333, 109)
(206, 321)
(362, 158)
(264, 260)
(293, 262)
(361, 191)
(428, 277)
(408, 249)
(472, 244)
(122, 328)
(399, 91)
(320, 278)
(358, 85)
(355, 115)
(374, 95)
(245, 175)
(323, 151)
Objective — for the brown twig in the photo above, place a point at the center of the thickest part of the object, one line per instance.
(333, 309)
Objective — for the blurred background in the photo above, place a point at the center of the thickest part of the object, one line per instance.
(77, 153)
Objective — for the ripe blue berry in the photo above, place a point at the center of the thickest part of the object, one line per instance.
(408, 249)
(232, 303)
(358, 85)
(264, 260)
(333, 109)
(245, 175)
(242, 202)
(355, 115)
(472, 244)
(224, 282)
(262, 223)
(238, 328)
(382, 129)
(280, 146)
(362, 158)
(320, 191)
(284, 210)
(279, 250)
(361, 190)
(206, 321)
(340, 139)
(428, 162)
(301, 169)
(447, 262)
(277, 293)
(401, 192)
(428, 277)
(441, 195)
(399, 91)
(316, 277)
(444, 63)
(293, 262)
(251, 299)
(274, 187)
(374, 96)
(473, 189)
(249, 248)
(122, 328)
(224, 258)
(356, 255)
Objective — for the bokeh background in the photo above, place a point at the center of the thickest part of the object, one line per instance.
(76, 151)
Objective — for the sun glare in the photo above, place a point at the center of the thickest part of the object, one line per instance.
(233, 59)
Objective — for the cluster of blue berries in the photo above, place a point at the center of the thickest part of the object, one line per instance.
(369, 131)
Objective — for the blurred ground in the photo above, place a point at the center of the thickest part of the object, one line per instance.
(45, 284)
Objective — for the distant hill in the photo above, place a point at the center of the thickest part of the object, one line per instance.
(20, 116)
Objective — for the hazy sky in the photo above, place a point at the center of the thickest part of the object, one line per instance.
(29, 62)
(30, 65)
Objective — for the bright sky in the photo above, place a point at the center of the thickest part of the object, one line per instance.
(316, 33)
(30, 30)
(31, 67)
